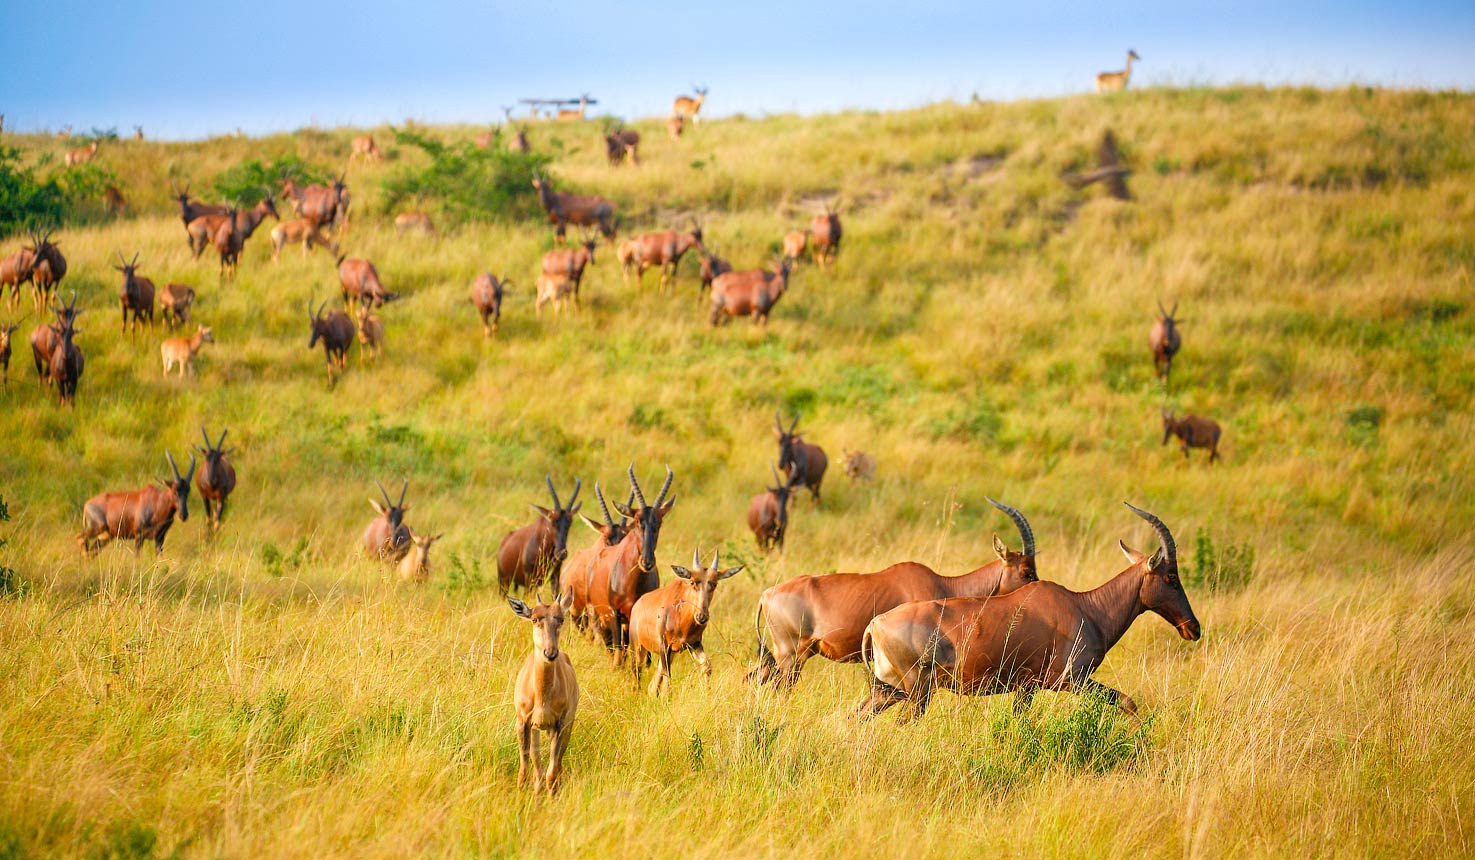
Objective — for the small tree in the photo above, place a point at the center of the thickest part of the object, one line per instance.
(471, 184)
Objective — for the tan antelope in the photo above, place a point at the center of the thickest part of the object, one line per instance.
(175, 302)
(796, 242)
(751, 293)
(557, 290)
(416, 221)
(141, 515)
(664, 249)
(301, 231)
(673, 618)
(827, 615)
(1040, 636)
(824, 236)
(217, 480)
(689, 106)
(579, 567)
(567, 115)
(415, 566)
(581, 210)
(675, 125)
(570, 262)
(1115, 82)
(1165, 341)
(1193, 432)
(6, 330)
(181, 351)
(859, 466)
(546, 697)
(83, 155)
(486, 295)
(137, 295)
(364, 147)
(360, 284)
(371, 334)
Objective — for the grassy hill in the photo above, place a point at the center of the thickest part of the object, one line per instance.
(984, 334)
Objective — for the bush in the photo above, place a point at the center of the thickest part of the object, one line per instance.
(26, 201)
(1362, 425)
(249, 182)
(1220, 568)
(470, 184)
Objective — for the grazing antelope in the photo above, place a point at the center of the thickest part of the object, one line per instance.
(301, 231)
(204, 229)
(417, 221)
(181, 351)
(141, 515)
(113, 201)
(83, 155)
(859, 466)
(768, 514)
(1111, 172)
(712, 266)
(675, 126)
(371, 334)
(578, 568)
(486, 295)
(137, 295)
(6, 330)
(546, 697)
(673, 618)
(17, 269)
(175, 302)
(824, 236)
(361, 284)
(46, 336)
(535, 552)
(415, 566)
(622, 143)
(827, 615)
(570, 262)
(627, 570)
(796, 242)
(49, 269)
(1165, 341)
(557, 290)
(803, 463)
(1115, 82)
(664, 249)
(364, 147)
(567, 115)
(217, 480)
(1194, 432)
(581, 210)
(1041, 636)
(387, 538)
(751, 293)
(336, 331)
(520, 140)
(688, 106)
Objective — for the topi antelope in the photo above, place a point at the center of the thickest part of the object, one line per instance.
(189, 209)
(1165, 341)
(796, 242)
(546, 697)
(6, 330)
(1115, 82)
(203, 229)
(673, 618)
(83, 155)
(535, 552)
(137, 295)
(181, 351)
(664, 249)
(859, 466)
(360, 283)
(141, 515)
(415, 566)
(419, 222)
(229, 241)
(486, 295)
(624, 572)
(1194, 432)
(689, 106)
(49, 269)
(570, 263)
(319, 205)
(371, 334)
(827, 615)
(387, 538)
(1041, 636)
(17, 269)
(175, 302)
(751, 293)
(824, 236)
(557, 290)
(46, 336)
(364, 147)
(217, 480)
(67, 362)
(620, 144)
(336, 331)
(768, 514)
(581, 210)
(803, 463)
(578, 569)
(301, 231)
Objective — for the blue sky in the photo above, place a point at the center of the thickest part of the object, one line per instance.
(182, 69)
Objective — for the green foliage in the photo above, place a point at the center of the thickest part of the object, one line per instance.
(977, 420)
(251, 181)
(471, 184)
(278, 564)
(25, 200)
(460, 577)
(1219, 568)
(1362, 425)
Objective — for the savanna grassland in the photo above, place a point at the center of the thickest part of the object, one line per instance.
(273, 694)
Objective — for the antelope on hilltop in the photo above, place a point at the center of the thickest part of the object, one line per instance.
(690, 106)
(1115, 82)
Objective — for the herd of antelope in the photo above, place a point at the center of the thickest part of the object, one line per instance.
(996, 629)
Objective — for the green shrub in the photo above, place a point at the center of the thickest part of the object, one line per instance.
(470, 184)
(1362, 425)
(25, 200)
(1220, 568)
(251, 181)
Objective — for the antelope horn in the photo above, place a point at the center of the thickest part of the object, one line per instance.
(402, 490)
(628, 502)
(1161, 529)
(557, 506)
(578, 484)
(795, 425)
(774, 469)
(635, 486)
(134, 261)
(1175, 308)
(696, 559)
(664, 487)
(715, 559)
(599, 494)
(385, 493)
(170, 457)
(206, 436)
(778, 421)
(1026, 533)
(191, 468)
(1160, 308)
(221, 444)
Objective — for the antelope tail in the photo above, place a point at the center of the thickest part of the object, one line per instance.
(766, 666)
(865, 651)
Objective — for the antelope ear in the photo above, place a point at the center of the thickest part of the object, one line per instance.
(567, 600)
(1157, 559)
(999, 549)
(1132, 555)
(681, 571)
(519, 607)
(731, 571)
(591, 524)
(403, 508)
(378, 507)
(623, 509)
(540, 509)
(666, 508)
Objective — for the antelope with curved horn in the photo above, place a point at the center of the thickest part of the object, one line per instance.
(827, 615)
(1042, 636)
(536, 552)
(486, 295)
(751, 293)
(1115, 82)
(664, 249)
(49, 269)
(336, 331)
(624, 572)
(824, 236)
(137, 295)
(217, 480)
(387, 538)
(46, 336)
(689, 106)
(579, 567)
(204, 229)
(581, 210)
(189, 210)
(67, 360)
(141, 515)
(1193, 432)
(803, 463)
(546, 697)
(569, 263)
(768, 514)
(1165, 341)
(673, 618)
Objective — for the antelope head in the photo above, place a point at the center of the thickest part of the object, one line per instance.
(547, 621)
(180, 485)
(1162, 589)
(560, 517)
(647, 517)
(392, 511)
(213, 453)
(1019, 567)
(611, 532)
(703, 581)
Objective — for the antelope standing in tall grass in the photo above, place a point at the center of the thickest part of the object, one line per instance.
(181, 351)
(1192, 432)
(557, 290)
(47, 273)
(18, 268)
(189, 209)
(690, 106)
(859, 466)
(371, 334)
(387, 538)
(217, 480)
(365, 147)
(570, 262)
(824, 236)
(546, 697)
(486, 295)
(802, 462)
(579, 567)
(1041, 636)
(536, 552)
(827, 615)
(1165, 341)
(673, 618)
(6, 330)
(67, 363)
(45, 337)
(624, 572)
(664, 249)
(301, 231)
(360, 284)
(141, 515)
(204, 229)
(751, 293)
(336, 331)
(136, 296)
(175, 303)
(82, 155)
(415, 566)
(796, 242)
(581, 210)
(113, 201)
(1115, 82)
(768, 514)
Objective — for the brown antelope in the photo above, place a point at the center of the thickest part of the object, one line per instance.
(803, 463)
(6, 330)
(361, 284)
(567, 115)
(581, 210)
(1115, 82)
(546, 697)
(113, 201)
(387, 538)
(1194, 432)
(17, 269)
(1041, 636)
(675, 126)
(229, 241)
(416, 221)
(576, 571)
(204, 229)
(486, 139)
(557, 290)
(189, 210)
(520, 140)
(141, 515)
(336, 331)
(712, 266)
(673, 618)
(1111, 172)
(371, 334)
(627, 570)
(768, 514)
(137, 295)
(535, 552)
(46, 336)
(301, 231)
(415, 566)
(859, 466)
(486, 295)
(664, 249)
(49, 269)
(181, 351)
(175, 302)
(688, 106)
(824, 236)
(83, 155)
(217, 480)
(827, 615)
(622, 143)
(796, 242)
(1165, 341)
(570, 262)
(319, 205)
(364, 147)
(67, 363)
(751, 293)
